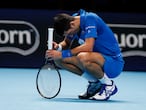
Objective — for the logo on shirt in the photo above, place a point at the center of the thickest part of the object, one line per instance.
(89, 27)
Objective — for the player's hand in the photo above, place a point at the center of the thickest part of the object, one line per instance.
(55, 45)
(53, 54)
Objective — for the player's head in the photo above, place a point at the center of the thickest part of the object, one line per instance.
(62, 23)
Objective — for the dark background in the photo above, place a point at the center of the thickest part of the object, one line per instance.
(132, 6)
(112, 11)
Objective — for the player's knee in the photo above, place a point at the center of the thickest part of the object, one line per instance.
(82, 56)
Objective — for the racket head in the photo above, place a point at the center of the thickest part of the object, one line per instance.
(48, 81)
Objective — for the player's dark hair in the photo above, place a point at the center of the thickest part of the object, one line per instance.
(62, 23)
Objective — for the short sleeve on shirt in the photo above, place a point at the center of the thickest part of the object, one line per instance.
(90, 27)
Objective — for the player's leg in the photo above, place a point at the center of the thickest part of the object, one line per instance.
(93, 63)
(73, 65)
(112, 67)
(94, 85)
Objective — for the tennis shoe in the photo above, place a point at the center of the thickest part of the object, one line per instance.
(92, 89)
(106, 92)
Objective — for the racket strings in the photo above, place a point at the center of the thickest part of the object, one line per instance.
(48, 81)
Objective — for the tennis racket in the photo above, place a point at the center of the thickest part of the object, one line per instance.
(48, 80)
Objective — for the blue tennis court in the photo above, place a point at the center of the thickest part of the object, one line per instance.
(18, 92)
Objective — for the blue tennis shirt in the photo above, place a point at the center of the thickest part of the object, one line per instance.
(92, 26)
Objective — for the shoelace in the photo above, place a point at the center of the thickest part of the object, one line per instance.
(95, 85)
(107, 92)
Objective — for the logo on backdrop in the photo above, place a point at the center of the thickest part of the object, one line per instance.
(131, 38)
(18, 37)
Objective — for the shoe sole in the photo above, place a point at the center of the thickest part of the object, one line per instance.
(114, 92)
(88, 95)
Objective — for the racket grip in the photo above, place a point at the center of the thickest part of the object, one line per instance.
(50, 38)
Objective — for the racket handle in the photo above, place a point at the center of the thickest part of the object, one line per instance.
(50, 38)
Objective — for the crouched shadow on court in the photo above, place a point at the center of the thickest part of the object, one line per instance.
(76, 100)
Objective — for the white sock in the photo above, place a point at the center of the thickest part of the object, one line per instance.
(105, 80)
(89, 77)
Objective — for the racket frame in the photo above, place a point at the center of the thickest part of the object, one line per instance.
(48, 61)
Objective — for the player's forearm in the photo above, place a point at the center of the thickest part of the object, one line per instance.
(81, 48)
(63, 44)
(86, 47)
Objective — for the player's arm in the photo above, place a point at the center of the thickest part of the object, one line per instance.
(66, 43)
(86, 47)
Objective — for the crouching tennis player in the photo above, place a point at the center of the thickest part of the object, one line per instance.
(98, 57)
